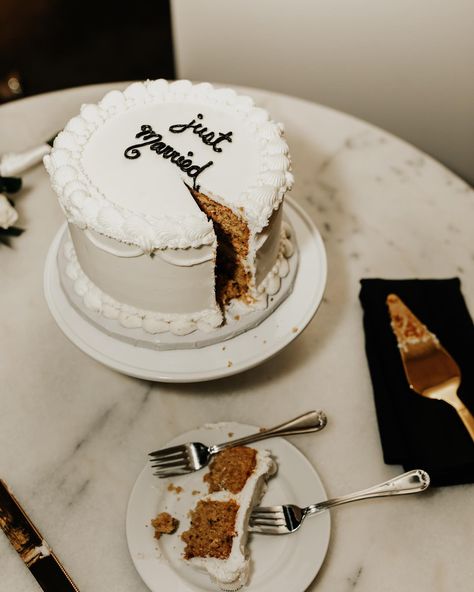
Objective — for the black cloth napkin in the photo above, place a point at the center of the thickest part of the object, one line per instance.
(416, 432)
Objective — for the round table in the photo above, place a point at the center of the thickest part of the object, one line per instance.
(74, 434)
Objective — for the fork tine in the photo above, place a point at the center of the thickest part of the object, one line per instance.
(280, 518)
(268, 521)
(174, 455)
(167, 451)
(175, 464)
(269, 529)
(166, 474)
(267, 515)
(267, 510)
(184, 459)
(177, 469)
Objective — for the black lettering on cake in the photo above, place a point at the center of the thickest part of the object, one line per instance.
(156, 144)
(209, 138)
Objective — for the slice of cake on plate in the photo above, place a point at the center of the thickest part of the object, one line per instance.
(216, 539)
(173, 193)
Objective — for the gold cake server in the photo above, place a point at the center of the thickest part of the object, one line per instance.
(430, 370)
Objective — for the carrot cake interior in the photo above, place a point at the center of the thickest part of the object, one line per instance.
(217, 535)
(164, 523)
(212, 529)
(230, 469)
(231, 272)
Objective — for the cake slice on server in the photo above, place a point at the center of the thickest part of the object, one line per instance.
(216, 539)
(173, 193)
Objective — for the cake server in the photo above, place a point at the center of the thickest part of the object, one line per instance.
(430, 370)
(186, 458)
(31, 546)
(286, 519)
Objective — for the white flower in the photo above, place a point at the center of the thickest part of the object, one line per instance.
(8, 214)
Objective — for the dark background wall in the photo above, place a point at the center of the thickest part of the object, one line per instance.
(51, 44)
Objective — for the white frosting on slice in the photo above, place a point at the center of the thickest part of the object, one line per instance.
(232, 573)
(124, 187)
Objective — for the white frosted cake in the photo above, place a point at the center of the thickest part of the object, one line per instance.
(216, 541)
(173, 193)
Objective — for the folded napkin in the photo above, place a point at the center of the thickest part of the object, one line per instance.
(417, 432)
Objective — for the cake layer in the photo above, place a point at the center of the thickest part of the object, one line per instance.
(231, 571)
(172, 281)
(131, 317)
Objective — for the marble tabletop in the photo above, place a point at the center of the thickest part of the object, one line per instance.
(73, 433)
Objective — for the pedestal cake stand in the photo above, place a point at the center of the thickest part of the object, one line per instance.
(243, 345)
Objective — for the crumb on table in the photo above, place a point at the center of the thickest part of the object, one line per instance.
(230, 434)
(164, 523)
(176, 488)
(229, 364)
(195, 492)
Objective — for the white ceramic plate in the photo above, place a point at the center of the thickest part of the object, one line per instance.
(285, 563)
(214, 361)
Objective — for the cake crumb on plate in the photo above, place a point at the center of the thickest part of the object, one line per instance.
(164, 523)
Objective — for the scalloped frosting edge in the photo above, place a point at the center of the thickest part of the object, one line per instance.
(130, 317)
(85, 206)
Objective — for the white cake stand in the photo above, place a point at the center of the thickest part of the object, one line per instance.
(229, 357)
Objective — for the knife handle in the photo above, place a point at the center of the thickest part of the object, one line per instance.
(467, 418)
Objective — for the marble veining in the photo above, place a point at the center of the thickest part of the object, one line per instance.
(74, 434)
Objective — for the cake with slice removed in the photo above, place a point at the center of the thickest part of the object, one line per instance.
(173, 193)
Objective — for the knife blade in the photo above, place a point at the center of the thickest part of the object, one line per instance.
(29, 543)
(429, 368)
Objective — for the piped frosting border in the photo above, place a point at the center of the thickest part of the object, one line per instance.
(86, 207)
(130, 317)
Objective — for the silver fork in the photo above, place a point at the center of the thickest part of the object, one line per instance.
(186, 458)
(286, 519)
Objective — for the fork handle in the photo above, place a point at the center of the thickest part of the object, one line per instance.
(313, 421)
(411, 482)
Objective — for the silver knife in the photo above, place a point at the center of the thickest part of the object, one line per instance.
(29, 543)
